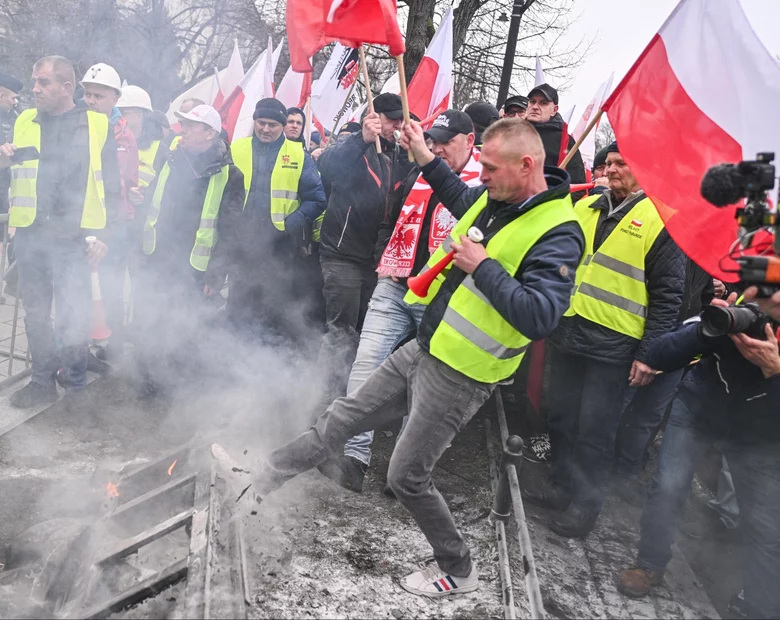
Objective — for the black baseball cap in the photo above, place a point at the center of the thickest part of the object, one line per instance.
(516, 100)
(482, 113)
(350, 127)
(389, 104)
(448, 125)
(11, 83)
(547, 91)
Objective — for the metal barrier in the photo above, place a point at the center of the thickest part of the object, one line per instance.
(11, 355)
(507, 501)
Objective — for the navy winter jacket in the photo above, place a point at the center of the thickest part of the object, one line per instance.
(360, 184)
(723, 385)
(532, 300)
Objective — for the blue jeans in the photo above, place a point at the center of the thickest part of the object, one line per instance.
(389, 321)
(645, 409)
(755, 469)
(56, 270)
(585, 402)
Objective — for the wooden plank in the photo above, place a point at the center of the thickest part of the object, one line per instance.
(197, 591)
(138, 593)
(131, 545)
(134, 505)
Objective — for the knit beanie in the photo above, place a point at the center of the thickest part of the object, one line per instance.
(272, 109)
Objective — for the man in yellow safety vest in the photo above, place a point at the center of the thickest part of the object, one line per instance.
(270, 290)
(65, 185)
(189, 234)
(484, 311)
(629, 291)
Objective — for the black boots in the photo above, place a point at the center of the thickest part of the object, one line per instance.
(346, 471)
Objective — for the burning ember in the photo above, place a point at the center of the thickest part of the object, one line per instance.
(170, 469)
(112, 489)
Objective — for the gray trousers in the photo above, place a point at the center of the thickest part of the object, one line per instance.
(439, 401)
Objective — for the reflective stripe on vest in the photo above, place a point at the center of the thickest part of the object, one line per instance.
(611, 289)
(146, 172)
(472, 336)
(206, 237)
(285, 177)
(24, 177)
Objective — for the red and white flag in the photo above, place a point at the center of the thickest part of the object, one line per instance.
(704, 91)
(229, 78)
(238, 108)
(312, 24)
(430, 90)
(294, 89)
(588, 146)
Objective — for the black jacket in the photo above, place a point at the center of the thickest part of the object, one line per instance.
(550, 133)
(180, 211)
(7, 120)
(665, 280)
(699, 291)
(360, 184)
(532, 300)
(63, 171)
(726, 388)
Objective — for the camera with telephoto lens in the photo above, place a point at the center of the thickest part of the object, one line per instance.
(744, 319)
(727, 184)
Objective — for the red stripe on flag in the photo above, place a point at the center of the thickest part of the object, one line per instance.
(420, 89)
(444, 584)
(669, 143)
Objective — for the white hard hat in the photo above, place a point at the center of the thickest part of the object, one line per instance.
(203, 114)
(104, 74)
(134, 97)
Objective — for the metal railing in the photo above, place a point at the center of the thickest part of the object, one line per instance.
(507, 501)
(18, 361)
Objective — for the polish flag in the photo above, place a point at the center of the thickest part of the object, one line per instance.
(294, 89)
(588, 146)
(229, 78)
(205, 90)
(430, 90)
(238, 108)
(704, 91)
(540, 78)
(312, 24)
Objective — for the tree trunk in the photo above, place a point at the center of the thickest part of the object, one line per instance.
(461, 21)
(419, 31)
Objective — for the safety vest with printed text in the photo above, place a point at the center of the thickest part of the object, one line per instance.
(24, 176)
(472, 337)
(206, 237)
(285, 177)
(610, 287)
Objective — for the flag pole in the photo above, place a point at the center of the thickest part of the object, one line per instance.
(307, 129)
(368, 92)
(404, 97)
(594, 121)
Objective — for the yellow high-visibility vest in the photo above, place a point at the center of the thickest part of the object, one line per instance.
(285, 177)
(206, 237)
(146, 171)
(472, 337)
(24, 176)
(611, 288)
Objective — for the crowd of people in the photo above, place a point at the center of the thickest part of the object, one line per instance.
(327, 235)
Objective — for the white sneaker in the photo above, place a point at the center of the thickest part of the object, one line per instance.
(434, 582)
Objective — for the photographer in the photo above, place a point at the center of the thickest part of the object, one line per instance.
(731, 396)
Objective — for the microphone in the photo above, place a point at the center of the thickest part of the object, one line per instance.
(723, 185)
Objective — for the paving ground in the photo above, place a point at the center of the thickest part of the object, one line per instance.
(317, 550)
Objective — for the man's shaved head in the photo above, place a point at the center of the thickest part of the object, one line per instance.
(518, 138)
(512, 161)
(61, 68)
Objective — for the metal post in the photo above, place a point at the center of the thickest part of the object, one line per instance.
(502, 502)
(518, 8)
